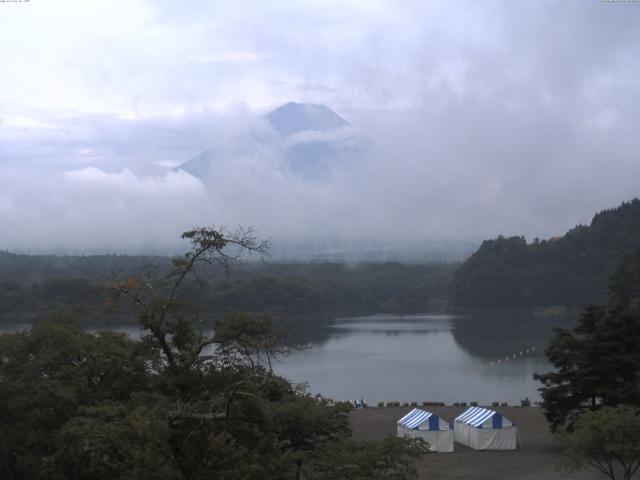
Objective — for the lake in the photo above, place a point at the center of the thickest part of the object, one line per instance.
(427, 358)
(430, 357)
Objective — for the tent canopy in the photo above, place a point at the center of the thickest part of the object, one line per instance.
(479, 417)
(484, 429)
(418, 419)
(432, 429)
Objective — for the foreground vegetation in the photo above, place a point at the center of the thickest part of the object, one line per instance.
(607, 439)
(176, 404)
(592, 398)
(598, 361)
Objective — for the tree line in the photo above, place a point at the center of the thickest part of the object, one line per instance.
(572, 270)
(279, 289)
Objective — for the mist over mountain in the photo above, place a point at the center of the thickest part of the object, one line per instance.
(440, 122)
(373, 250)
(299, 117)
(313, 148)
(311, 142)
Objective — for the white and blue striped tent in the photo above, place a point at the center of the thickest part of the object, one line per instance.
(419, 423)
(484, 429)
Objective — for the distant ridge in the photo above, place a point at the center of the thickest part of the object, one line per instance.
(571, 270)
(294, 118)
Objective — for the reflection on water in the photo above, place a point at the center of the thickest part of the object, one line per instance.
(418, 357)
(427, 358)
(395, 324)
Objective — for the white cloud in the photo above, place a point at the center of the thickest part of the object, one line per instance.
(91, 210)
(607, 119)
(226, 57)
(486, 118)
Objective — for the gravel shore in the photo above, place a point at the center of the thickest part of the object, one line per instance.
(537, 459)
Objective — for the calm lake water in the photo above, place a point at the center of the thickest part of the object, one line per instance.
(448, 358)
(427, 358)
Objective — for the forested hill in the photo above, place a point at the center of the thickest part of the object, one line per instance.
(33, 286)
(572, 270)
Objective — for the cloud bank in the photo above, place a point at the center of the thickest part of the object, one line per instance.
(484, 119)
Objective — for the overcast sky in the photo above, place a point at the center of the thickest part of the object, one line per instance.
(485, 118)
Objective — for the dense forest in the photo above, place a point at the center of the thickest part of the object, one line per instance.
(176, 403)
(32, 286)
(572, 270)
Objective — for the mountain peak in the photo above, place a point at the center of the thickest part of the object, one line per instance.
(294, 117)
